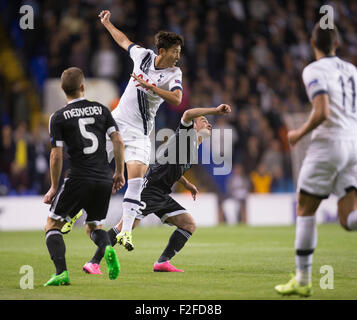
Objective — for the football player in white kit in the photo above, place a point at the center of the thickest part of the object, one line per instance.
(155, 79)
(330, 165)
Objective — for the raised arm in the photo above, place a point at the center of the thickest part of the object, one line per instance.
(191, 114)
(120, 38)
(320, 112)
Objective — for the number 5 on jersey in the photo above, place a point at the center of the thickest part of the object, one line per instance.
(82, 122)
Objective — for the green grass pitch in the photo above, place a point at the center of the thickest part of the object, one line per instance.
(229, 263)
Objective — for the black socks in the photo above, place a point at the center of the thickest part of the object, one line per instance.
(112, 233)
(57, 249)
(176, 242)
(101, 239)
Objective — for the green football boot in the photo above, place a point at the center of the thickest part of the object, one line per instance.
(112, 262)
(293, 287)
(124, 238)
(68, 226)
(58, 280)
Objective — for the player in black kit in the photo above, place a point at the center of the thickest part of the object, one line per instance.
(169, 168)
(82, 125)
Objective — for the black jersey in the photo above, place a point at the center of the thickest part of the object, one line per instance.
(176, 156)
(82, 125)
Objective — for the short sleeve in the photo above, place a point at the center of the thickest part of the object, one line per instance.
(315, 82)
(136, 52)
(185, 125)
(55, 130)
(176, 81)
(111, 125)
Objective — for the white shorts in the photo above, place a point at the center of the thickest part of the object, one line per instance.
(329, 167)
(137, 146)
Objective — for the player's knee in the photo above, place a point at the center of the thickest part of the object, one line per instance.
(91, 227)
(52, 224)
(303, 211)
(190, 226)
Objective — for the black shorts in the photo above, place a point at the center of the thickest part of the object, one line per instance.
(75, 194)
(159, 203)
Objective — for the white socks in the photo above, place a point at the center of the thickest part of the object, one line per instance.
(352, 220)
(131, 203)
(305, 243)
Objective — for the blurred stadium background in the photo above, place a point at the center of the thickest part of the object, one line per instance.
(249, 54)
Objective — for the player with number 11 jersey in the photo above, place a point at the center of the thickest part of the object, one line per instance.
(330, 164)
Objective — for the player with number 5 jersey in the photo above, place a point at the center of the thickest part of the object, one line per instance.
(82, 126)
(154, 79)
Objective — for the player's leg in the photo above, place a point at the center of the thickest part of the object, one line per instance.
(305, 243)
(172, 213)
(316, 180)
(185, 228)
(347, 210)
(151, 201)
(345, 188)
(131, 203)
(64, 206)
(113, 232)
(96, 207)
(101, 240)
(306, 236)
(57, 250)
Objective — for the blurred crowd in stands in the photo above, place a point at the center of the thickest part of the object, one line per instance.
(249, 54)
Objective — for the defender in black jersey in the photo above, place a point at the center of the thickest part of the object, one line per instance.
(161, 176)
(82, 125)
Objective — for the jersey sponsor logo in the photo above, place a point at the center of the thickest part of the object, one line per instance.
(147, 80)
(80, 112)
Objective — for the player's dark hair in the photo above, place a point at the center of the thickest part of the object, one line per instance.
(167, 39)
(325, 39)
(71, 81)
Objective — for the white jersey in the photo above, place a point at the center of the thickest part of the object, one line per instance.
(338, 79)
(137, 107)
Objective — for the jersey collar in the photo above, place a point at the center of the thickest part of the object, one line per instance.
(75, 100)
(156, 67)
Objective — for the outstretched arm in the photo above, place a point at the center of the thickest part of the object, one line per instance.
(191, 114)
(120, 38)
(319, 114)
